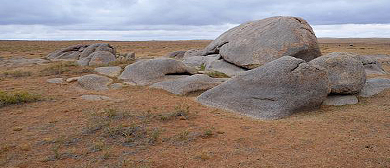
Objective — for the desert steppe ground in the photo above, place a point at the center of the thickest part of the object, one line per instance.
(145, 127)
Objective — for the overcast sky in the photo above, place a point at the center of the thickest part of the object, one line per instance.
(182, 19)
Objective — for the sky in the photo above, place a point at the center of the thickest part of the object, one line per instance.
(135, 20)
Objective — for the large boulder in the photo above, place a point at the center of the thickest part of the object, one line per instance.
(374, 86)
(192, 84)
(147, 72)
(198, 61)
(255, 43)
(272, 91)
(97, 47)
(346, 73)
(371, 65)
(224, 67)
(193, 52)
(94, 82)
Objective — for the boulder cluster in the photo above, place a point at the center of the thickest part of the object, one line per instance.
(275, 68)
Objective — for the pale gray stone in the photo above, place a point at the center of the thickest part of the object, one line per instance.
(72, 52)
(255, 43)
(112, 71)
(224, 67)
(346, 73)
(95, 97)
(72, 79)
(374, 86)
(116, 86)
(55, 80)
(192, 84)
(371, 65)
(101, 58)
(193, 52)
(272, 91)
(176, 54)
(340, 100)
(94, 82)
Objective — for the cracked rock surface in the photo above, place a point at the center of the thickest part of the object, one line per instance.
(272, 91)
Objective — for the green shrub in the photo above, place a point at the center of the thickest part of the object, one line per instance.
(17, 74)
(17, 98)
(216, 74)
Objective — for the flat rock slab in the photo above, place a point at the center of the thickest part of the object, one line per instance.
(374, 86)
(72, 79)
(340, 100)
(147, 72)
(272, 91)
(224, 67)
(112, 71)
(116, 86)
(371, 65)
(94, 82)
(95, 97)
(55, 80)
(188, 85)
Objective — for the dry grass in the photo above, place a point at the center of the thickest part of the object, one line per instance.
(17, 98)
(146, 127)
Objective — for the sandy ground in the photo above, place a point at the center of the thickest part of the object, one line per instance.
(143, 127)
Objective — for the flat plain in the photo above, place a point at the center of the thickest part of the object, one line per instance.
(143, 127)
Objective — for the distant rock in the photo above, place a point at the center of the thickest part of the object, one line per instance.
(224, 67)
(112, 71)
(346, 73)
(192, 84)
(371, 65)
(94, 82)
(95, 97)
(340, 100)
(374, 86)
(94, 54)
(272, 91)
(255, 43)
(147, 72)
(55, 80)
(176, 54)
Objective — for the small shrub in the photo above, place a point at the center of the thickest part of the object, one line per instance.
(121, 63)
(17, 98)
(180, 111)
(208, 133)
(17, 74)
(216, 74)
(202, 67)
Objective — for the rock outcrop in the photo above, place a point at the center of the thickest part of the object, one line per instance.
(94, 82)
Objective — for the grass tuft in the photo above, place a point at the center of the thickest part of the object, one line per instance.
(17, 74)
(58, 68)
(216, 74)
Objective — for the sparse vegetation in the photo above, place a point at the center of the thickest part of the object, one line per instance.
(17, 98)
(17, 73)
(216, 74)
(58, 68)
(202, 67)
(121, 63)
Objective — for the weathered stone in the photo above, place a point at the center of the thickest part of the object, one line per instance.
(255, 43)
(94, 82)
(55, 80)
(95, 97)
(198, 61)
(374, 86)
(176, 54)
(224, 67)
(112, 71)
(192, 84)
(340, 100)
(272, 91)
(346, 73)
(101, 58)
(97, 47)
(193, 52)
(73, 79)
(147, 72)
(72, 52)
(371, 65)
(116, 86)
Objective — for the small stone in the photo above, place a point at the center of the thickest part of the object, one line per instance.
(95, 97)
(112, 71)
(73, 79)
